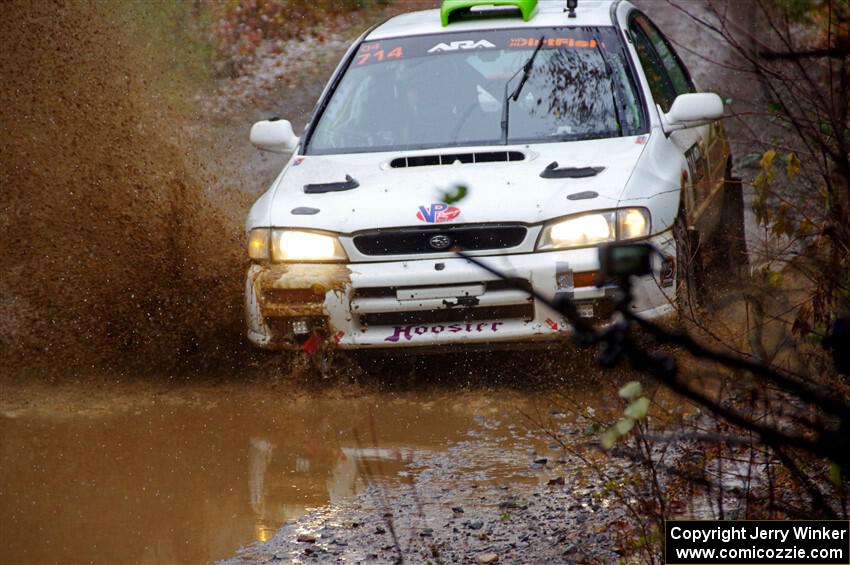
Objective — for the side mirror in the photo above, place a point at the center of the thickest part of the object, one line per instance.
(274, 135)
(692, 110)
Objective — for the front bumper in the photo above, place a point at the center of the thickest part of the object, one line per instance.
(433, 302)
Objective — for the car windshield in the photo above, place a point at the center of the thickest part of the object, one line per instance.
(450, 90)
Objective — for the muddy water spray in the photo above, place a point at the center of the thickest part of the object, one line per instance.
(109, 241)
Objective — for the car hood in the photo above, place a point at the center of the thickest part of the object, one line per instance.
(390, 196)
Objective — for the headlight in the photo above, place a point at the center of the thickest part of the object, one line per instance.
(632, 223)
(579, 231)
(595, 228)
(296, 245)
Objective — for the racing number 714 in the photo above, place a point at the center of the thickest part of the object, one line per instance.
(379, 55)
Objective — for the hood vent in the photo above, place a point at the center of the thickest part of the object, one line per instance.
(452, 158)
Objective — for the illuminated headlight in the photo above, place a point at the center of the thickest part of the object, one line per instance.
(294, 245)
(595, 228)
(632, 223)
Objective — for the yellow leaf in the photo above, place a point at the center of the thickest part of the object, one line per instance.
(793, 167)
(774, 279)
(767, 159)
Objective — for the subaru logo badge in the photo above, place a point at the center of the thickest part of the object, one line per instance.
(440, 242)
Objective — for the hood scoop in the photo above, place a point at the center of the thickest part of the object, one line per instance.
(348, 184)
(453, 158)
(553, 171)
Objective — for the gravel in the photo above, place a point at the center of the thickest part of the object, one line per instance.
(448, 514)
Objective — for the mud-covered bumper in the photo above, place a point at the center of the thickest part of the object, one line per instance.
(432, 302)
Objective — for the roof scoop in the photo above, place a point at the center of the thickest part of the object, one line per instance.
(553, 171)
(348, 184)
(456, 9)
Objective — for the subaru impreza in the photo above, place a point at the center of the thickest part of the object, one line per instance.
(525, 134)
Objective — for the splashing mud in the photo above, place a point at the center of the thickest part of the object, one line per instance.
(113, 255)
(124, 202)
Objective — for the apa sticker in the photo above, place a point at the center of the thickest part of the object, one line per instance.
(409, 332)
(458, 45)
(437, 213)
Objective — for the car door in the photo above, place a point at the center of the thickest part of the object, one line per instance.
(704, 147)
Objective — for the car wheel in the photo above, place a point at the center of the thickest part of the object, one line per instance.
(734, 239)
(726, 255)
(689, 268)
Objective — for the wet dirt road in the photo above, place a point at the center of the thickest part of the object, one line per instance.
(190, 477)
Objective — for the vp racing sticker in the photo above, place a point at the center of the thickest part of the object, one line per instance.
(437, 213)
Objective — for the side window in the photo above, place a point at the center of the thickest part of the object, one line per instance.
(667, 76)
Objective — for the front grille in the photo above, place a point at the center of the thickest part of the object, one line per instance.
(451, 315)
(414, 241)
(499, 300)
(391, 291)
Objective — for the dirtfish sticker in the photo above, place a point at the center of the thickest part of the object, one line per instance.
(437, 213)
(409, 332)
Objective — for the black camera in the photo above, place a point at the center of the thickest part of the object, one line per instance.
(618, 261)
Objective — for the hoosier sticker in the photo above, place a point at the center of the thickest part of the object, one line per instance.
(407, 333)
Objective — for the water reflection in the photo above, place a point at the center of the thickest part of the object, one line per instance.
(183, 483)
(353, 468)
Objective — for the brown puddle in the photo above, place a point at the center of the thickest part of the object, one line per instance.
(192, 482)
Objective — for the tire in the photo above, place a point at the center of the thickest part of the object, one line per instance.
(726, 253)
(690, 275)
(735, 235)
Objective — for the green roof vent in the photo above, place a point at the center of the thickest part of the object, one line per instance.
(450, 7)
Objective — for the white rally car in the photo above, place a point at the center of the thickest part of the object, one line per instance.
(565, 127)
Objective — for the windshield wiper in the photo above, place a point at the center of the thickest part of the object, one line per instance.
(610, 72)
(526, 73)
